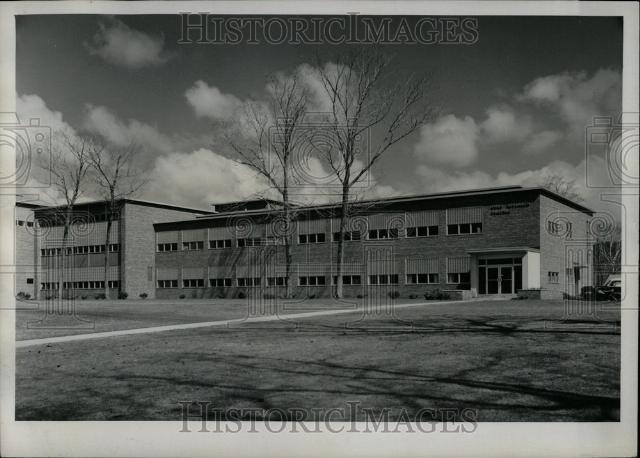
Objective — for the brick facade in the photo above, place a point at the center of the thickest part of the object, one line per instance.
(512, 221)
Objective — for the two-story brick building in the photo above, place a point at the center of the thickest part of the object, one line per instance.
(490, 241)
(79, 260)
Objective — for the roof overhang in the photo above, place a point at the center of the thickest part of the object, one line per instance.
(503, 250)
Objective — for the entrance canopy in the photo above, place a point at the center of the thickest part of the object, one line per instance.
(504, 270)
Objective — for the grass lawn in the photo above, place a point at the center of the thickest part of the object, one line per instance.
(509, 360)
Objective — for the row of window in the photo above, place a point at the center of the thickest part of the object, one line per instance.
(305, 239)
(20, 222)
(83, 249)
(553, 277)
(49, 286)
(319, 280)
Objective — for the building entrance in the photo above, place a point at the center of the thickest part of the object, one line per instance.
(499, 275)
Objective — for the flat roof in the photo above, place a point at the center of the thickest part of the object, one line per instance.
(402, 199)
(146, 203)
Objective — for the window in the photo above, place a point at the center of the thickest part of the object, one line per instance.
(29, 281)
(220, 282)
(49, 286)
(422, 279)
(312, 280)
(466, 228)
(248, 281)
(115, 247)
(277, 281)
(218, 244)
(569, 233)
(193, 283)
(191, 246)
(383, 279)
(553, 227)
(382, 234)
(349, 236)
(114, 284)
(20, 222)
(167, 283)
(348, 280)
(96, 248)
(167, 247)
(422, 231)
(29, 223)
(311, 238)
(553, 277)
(249, 242)
(458, 277)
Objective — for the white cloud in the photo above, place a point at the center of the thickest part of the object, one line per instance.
(200, 178)
(438, 180)
(503, 124)
(577, 97)
(101, 120)
(119, 44)
(541, 141)
(208, 101)
(31, 106)
(449, 140)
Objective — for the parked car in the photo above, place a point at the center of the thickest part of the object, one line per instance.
(610, 290)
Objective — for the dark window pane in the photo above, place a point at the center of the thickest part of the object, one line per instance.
(411, 232)
(452, 229)
(423, 231)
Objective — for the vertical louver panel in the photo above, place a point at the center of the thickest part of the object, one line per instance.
(458, 264)
(422, 266)
(464, 215)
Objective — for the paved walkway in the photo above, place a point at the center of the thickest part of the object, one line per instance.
(209, 324)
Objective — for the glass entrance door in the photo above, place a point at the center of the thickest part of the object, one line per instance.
(493, 284)
(506, 279)
(499, 275)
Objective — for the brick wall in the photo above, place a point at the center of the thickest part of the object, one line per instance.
(508, 221)
(561, 250)
(138, 245)
(25, 252)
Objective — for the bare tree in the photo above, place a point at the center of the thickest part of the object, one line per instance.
(116, 179)
(365, 96)
(268, 144)
(68, 166)
(608, 250)
(562, 186)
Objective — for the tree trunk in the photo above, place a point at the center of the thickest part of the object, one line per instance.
(61, 264)
(340, 254)
(106, 252)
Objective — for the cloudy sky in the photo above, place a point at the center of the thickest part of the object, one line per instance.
(512, 108)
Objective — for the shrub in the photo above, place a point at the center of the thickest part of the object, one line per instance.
(122, 295)
(394, 294)
(182, 296)
(101, 296)
(359, 296)
(436, 294)
(242, 295)
(83, 297)
(311, 296)
(413, 296)
(143, 295)
(22, 296)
